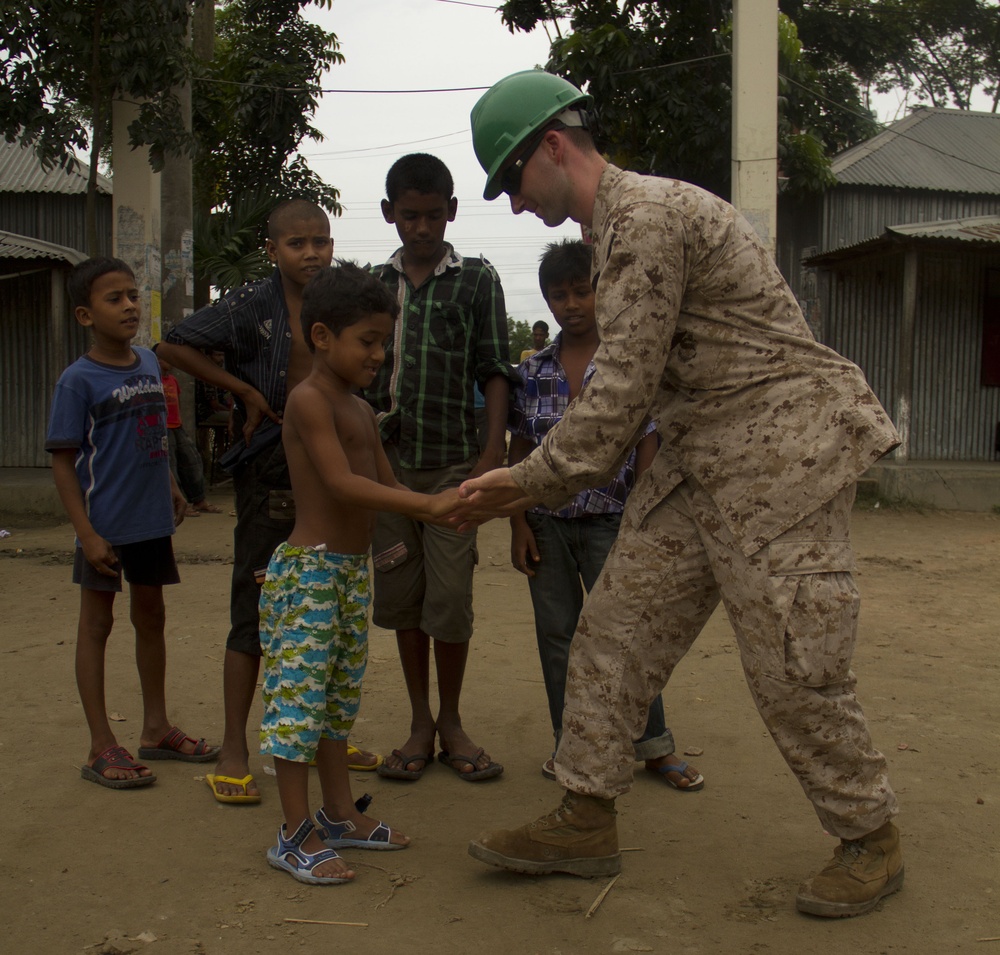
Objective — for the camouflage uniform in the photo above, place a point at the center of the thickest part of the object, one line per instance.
(765, 432)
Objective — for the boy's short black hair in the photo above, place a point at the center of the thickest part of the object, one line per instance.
(292, 210)
(566, 261)
(420, 172)
(340, 296)
(544, 326)
(84, 275)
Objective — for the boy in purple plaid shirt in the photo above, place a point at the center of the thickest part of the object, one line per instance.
(560, 550)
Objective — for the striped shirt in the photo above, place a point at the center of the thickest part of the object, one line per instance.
(539, 404)
(249, 324)
(451, 335)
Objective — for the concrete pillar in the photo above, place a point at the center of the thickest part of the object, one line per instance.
(135, 230)
(177, 237)
(755, 115)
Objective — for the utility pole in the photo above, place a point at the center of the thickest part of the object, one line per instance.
(755, 115)
(135, 229)
(177, 242)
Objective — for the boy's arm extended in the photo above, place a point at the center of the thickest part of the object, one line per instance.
(96, 549)
(197, 363)
(313, 427)
(523, 548)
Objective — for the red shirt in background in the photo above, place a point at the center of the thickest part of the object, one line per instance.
(172, 394)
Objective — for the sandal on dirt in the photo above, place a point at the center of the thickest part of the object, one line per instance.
(353, 751)
(338, 834)
(389, 772)
(289, 856)
(245, 798)
(170, 748)
(116, 757)
(693, 784)
(208, 509)
(449, 759)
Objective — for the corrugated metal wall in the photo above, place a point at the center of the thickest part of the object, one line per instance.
(55, 218)
(855, 214)
(861, 319)
(954, 417)
(32, 354)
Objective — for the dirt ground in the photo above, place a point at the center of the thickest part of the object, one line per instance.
(168, 871)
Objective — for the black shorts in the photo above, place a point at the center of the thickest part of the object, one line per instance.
(146, 563)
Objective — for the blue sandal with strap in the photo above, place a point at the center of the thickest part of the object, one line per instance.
(337, 834)
(289, 856)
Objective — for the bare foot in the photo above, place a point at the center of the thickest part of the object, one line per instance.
(364, 827)
(361, 757)
(414, 754)
(203, 507)
(164, 741)
(676, 772)
(468, 757)
(115, 762)
(332, 868)
(235, 769)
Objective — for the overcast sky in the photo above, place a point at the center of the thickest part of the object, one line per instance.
(445, 45)
(424, 45)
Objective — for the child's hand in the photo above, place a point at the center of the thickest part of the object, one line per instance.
(100, 555)
(440, 505)
(179, 503)
(523, 548)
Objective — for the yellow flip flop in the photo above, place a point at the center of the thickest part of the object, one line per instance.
(246, 798)
(362, 767)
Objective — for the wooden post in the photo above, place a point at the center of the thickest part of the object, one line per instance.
(904, 375)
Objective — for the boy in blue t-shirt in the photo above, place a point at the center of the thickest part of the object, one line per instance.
(108, 439)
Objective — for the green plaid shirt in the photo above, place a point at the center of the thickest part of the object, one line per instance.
(451, 333)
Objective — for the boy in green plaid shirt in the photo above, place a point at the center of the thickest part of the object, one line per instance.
(451, 335)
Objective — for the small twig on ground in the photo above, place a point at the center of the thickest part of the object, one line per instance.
(395, 880)
(325, 922)
(992, 938)
(600, 898)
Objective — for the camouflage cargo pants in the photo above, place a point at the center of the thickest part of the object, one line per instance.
(794, 608)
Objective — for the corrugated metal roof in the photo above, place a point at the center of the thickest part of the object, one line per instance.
(20, 171)
(950, 150)
(973, 229)
(981, 230)
(14, 246)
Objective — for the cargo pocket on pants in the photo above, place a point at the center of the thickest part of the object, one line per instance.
(816, 606)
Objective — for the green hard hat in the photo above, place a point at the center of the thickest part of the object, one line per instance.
(510, 111)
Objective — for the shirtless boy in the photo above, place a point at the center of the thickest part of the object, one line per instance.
(314, 602)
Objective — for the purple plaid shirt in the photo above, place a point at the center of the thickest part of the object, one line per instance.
(539, 403)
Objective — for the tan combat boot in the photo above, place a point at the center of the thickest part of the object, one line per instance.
(579, 838)
(861, 872)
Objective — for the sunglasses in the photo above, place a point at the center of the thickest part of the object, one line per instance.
(510, 178)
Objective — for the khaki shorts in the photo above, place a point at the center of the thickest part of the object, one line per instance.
(423, 572)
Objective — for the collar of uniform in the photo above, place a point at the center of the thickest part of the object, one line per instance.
(450, 260)
(604, 200)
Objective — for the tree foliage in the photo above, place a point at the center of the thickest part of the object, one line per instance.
(63, 62)
(254, 101)
(661, 73)
(938, 52)
(518, 336)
